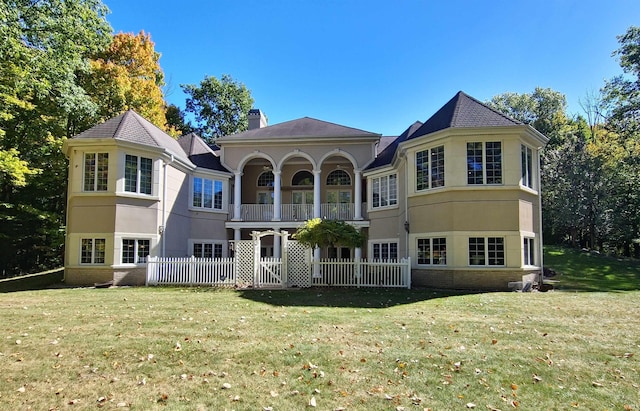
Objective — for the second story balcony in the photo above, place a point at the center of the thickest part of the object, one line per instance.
(300, 212)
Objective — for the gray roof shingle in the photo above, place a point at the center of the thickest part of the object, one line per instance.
(201, 154)
(305, 127)
(385, 157)
(132, 127)
(464, 111)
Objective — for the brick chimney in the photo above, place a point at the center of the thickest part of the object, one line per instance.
(257, 119)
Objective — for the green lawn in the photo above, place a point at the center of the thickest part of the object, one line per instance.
(584, 271)
(359, 349)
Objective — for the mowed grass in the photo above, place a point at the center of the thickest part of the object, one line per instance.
(356, 349)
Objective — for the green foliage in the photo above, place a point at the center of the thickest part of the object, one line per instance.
(329, 233)
(176, 123)
(220, 106)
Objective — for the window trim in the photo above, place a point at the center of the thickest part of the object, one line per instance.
(487, 252)
(95, 171)
(391, 194)
(139, 175)
(136, 251)
(384, 242)
(428, 182)
(528, 251)
(203, 181)
(527, 175)
(431, 251)
(213, 243)
(94, 249)
(485, 162)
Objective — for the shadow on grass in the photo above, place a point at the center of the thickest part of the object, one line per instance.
(584, 271)
(346, 297)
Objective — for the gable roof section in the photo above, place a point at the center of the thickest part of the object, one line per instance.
(132, 127)
(305, 127)
(464, 111)
(201, 154)
(385, 157)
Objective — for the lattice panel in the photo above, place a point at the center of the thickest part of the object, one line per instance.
(244, 251)
(298, 265)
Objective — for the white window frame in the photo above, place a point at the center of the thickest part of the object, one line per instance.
(485, 162)
(487, 253)
(528, 251)
(381, 244)
(527, 166)
(138, 175)
(386, 190)
(95, 171)
(203, 181)
(136, 250)
(429, 153)
(214, 244)
(441, 260)
(94, 247)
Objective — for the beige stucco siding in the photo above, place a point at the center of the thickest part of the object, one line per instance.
(91, 214)
(134, 215)
(174, 214)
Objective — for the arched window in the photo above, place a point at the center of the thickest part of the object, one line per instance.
(302, 178)
(266, 179)
(338, 178)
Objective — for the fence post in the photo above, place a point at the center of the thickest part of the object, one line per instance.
(150, 270)
(192, 263)
(358, 271)
(407, 269)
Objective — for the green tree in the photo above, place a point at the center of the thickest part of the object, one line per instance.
(329, 233)
(126, 75)
(220, 106)
(45, 46)
(176, 123)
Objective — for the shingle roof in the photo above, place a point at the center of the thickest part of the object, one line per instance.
(132, 127)
(201, 154)
(305, 127)
(386, 155)
(464, 111)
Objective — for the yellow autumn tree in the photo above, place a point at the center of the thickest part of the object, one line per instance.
(127, 75)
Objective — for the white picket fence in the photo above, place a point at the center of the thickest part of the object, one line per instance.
(354, 273)
(222, 272)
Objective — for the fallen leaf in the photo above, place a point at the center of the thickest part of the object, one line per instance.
(226, 386)
(536, 378)
(470, 405)
(21, 389)
(596, 384)
(514, 387)
(312, 402)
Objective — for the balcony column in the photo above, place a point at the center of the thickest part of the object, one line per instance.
(358, 195)
(277, 195)
(276, 244)
(237, 196)
(316, 193)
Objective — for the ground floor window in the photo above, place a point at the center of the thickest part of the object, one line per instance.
(92, 250)
(528, 249)
(432, 251)
(486, 251)
(135, 251)
(341, 253)
(207, 250)
(384, 250)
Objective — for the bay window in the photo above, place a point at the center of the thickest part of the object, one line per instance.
(430, 168)
(138, 172)
(484, 162)
(96, 172)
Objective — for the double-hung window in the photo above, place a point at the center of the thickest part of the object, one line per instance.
(135, 251)
(430, 168)
(207, 193)
(385, 191)
(432, 251)
(96, 172)
(92, 251)
(486, 251)
(138, 172)
(385, 250)
(484, 162)
(207, 250)
(527, 166)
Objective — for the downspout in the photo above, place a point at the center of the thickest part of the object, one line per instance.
(540, 219)
(164, 206)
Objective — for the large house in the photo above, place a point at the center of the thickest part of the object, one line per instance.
(459, 194)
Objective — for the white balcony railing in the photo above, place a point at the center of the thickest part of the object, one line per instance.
(299, 212)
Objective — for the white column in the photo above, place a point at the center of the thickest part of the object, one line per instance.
(358, 195)
(237, 234)
(316, 194)
(237, 196)
(277, 195)
(276, 244)
(316, 267)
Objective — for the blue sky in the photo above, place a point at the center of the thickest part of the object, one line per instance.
(381, 65)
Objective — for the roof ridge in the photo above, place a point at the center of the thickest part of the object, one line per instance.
(491, 108)
(121, 123)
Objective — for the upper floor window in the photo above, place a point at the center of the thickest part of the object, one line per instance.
(302, 178)
(138, 173)
(135, 251)
(484, 163)
(338, 178)
(266, 179)
(385, 191)
(207, 193)
(92, 251)
(430, 168)
(527, 166)
(96, 172)
(486, 251)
